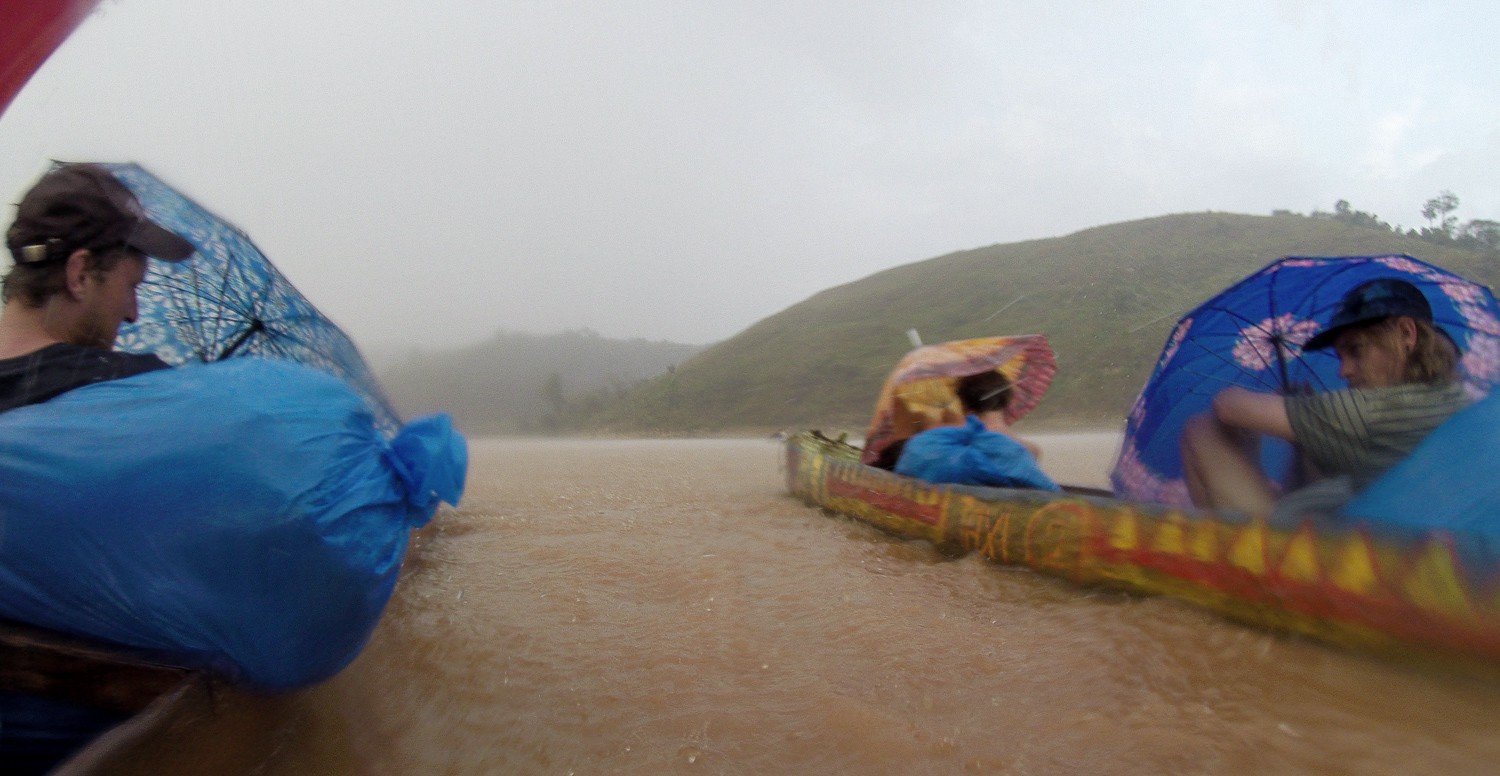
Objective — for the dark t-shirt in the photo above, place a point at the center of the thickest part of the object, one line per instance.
(56, 369)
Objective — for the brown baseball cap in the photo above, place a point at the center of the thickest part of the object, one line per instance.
(83, 206)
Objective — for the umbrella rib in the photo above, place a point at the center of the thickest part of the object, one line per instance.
(1222, 359)
(1224, 381)
(232, 300)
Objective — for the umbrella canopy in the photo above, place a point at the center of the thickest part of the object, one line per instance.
(1251, 335)
(228, 301)
(919, 394)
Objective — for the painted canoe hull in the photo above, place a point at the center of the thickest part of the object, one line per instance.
(152, 691)
(1351, 588)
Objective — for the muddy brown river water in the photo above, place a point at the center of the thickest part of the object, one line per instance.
(663, 607)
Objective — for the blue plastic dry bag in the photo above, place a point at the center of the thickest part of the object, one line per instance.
(245, 516)
(1446, 486)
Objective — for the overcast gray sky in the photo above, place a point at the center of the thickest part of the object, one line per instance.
(430, 172)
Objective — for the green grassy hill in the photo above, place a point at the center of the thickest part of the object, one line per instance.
(1106, 298)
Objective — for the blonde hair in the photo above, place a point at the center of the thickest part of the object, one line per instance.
(1434, 358)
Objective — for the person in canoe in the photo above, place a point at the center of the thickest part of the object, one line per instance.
(79, 242)
(982, 451)
(1403, 383)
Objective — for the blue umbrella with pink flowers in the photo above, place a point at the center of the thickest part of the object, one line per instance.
(1252, 335)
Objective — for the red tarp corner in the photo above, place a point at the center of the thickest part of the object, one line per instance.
(30, 30)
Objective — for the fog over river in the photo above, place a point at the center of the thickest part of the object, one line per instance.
(663, 607)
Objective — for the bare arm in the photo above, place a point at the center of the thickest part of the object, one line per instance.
(1264, 413)
(995, 421)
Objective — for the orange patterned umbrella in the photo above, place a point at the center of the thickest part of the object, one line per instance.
(919, 393)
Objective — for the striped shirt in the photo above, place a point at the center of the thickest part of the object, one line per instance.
(1361, 432)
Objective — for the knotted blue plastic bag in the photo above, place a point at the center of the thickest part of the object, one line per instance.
(244, 516)
(1448, 486)
(971, 455)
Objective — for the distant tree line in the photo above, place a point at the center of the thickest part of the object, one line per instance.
(1443, 227)
(566, 413)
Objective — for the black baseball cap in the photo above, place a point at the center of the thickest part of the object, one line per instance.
(1369, 302)
(83, 206)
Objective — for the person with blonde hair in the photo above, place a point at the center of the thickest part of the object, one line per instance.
(1402, 373)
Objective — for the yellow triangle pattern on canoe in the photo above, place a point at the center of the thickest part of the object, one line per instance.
(1169, 538)
(1249, 548)
(1354, 570)
(1301, 559)
(1205, 543)
(1434, 582)
(1125, 534)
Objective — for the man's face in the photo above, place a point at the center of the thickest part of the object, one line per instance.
(108, 300)
(1367, 361)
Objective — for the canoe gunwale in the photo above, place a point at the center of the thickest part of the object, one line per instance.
(118, 745)
(41, 662)
(151, 691)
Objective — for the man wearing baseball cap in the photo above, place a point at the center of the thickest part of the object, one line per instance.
(79, 242)
(1403, 383)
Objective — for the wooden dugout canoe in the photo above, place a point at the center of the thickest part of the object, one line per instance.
(1410, 600)
(150, 692)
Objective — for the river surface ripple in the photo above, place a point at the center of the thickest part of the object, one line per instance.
(664, 607)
